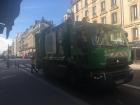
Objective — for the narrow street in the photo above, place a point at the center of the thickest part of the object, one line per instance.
(20, 87)
(89, 44)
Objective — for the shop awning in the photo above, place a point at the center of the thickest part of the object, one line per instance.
(9, 10)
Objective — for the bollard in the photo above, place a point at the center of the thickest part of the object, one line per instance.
(8, 64)
(15, 64)
(18, 66)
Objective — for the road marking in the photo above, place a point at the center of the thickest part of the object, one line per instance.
(135, 66)
(132, 86)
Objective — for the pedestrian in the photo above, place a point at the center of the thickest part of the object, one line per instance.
(33, 64)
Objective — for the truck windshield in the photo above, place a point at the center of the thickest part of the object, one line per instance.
(111, 39)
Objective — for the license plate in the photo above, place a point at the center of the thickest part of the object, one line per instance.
(119, 81)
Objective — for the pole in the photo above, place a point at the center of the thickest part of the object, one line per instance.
(122, 13)
(8, 57)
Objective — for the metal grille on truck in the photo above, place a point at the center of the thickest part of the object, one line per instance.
(113, 62)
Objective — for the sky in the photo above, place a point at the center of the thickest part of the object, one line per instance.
(4, 43)
(32, 10)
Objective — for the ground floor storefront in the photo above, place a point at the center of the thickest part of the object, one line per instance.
(136, 52)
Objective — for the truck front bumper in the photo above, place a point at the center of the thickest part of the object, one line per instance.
(115, 77)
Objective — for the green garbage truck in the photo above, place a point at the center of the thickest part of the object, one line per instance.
(83, 51)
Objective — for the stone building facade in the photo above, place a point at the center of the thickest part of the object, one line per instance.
(125, 13)
(25, 42)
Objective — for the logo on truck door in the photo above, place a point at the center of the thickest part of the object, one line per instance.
(118, 61)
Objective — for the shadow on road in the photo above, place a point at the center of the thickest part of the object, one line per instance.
(98, 95)
(90, 93)
(136, 79)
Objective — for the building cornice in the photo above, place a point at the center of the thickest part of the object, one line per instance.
(103, 12)
(94, 17)
(114, 8)
(132, 25)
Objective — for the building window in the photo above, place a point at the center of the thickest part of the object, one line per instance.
(94, 11)
(77, 7)
(93, 0)
(103, 20)
(86, 13)
(94, 21)
(114, 18)
(86, 3)
(113, 3)
(134, 12)
(135, 32)
(102, 6)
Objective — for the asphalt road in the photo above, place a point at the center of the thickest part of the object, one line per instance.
(23, 88)
(18, 87)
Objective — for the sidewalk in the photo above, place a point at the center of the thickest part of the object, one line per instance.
(3, 64)
(135, 66)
